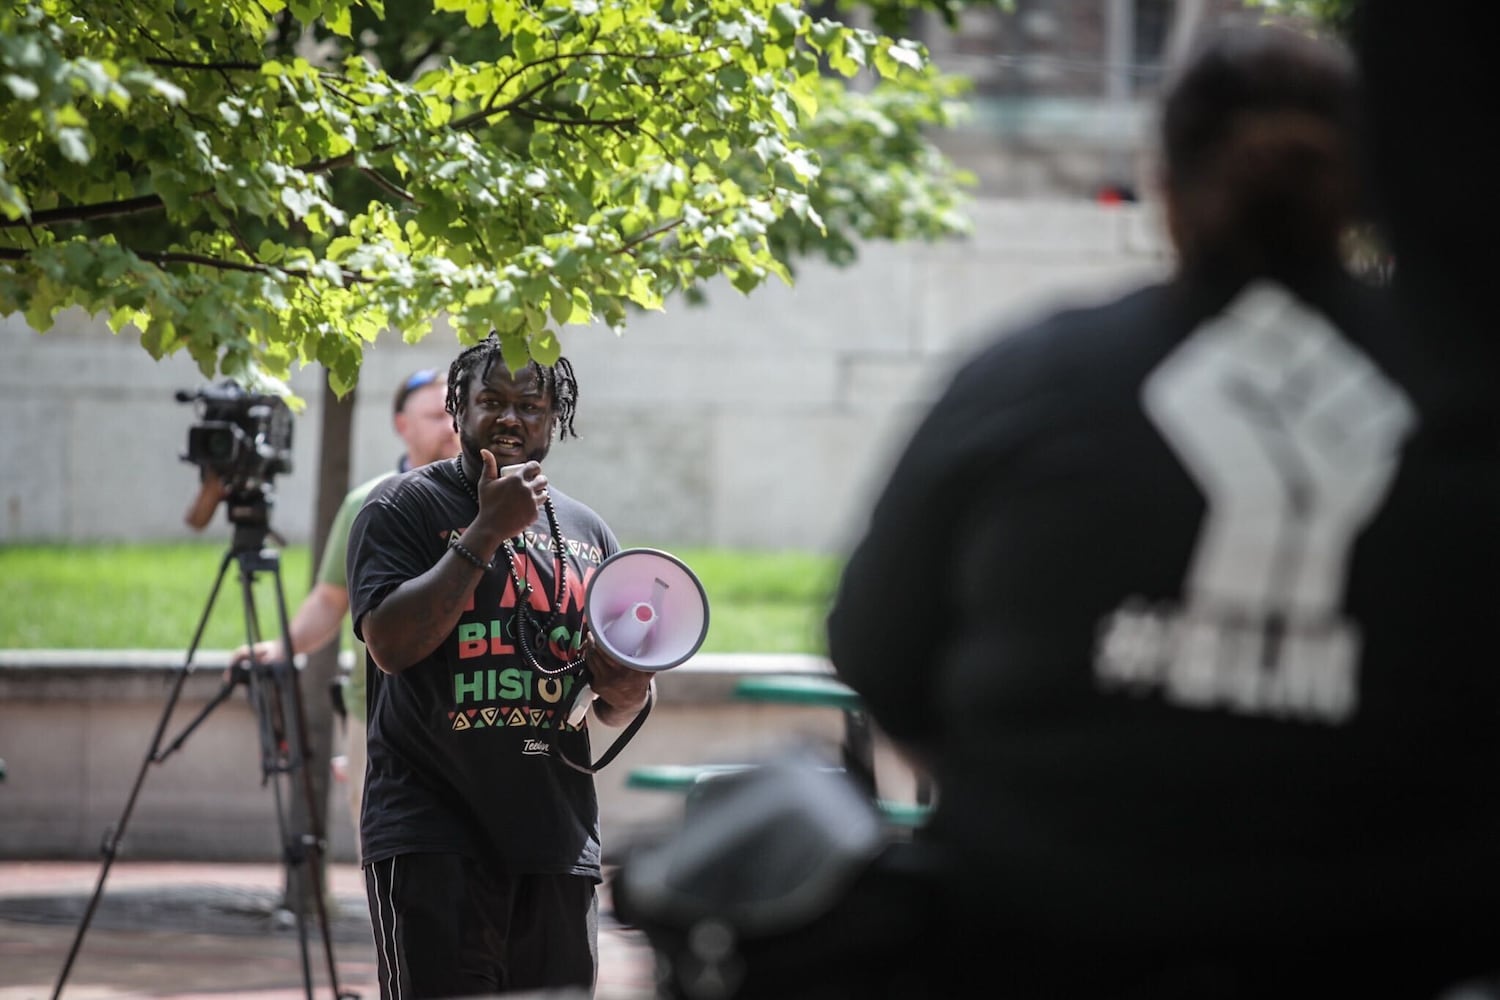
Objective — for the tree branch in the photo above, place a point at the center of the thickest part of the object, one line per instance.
(84, 213)
(649, 234)
(535, 116)
(585, 53)
(160, 259)
(178, 257)
(470, 121)
(253, 67)
(382, 181)
(649, 135)
(526, 95)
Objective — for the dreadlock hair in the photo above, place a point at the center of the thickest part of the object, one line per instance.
(479, 359)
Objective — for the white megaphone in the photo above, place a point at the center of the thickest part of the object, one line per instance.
(647, 610)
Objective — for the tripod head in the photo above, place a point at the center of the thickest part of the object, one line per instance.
(249, 510)
(241, 441)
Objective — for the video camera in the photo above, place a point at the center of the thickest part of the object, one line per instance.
(244, 437)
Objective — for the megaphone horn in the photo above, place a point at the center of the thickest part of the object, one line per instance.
(629, 630)
(647, 610)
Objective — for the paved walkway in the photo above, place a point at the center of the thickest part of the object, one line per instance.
(198, 931)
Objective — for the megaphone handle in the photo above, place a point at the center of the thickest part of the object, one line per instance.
(582, 699)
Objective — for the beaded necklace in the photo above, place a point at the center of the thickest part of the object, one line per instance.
(525, 615)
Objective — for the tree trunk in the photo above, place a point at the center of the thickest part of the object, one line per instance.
(308, 811)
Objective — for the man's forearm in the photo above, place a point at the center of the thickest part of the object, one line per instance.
(616, 716)
(317, 620)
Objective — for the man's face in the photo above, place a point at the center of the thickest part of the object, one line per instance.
(426, 427)
(511, 415)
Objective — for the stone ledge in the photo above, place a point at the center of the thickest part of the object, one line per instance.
(140, 674)
(74, 724)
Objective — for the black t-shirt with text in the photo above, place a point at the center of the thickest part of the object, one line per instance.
(459, 752)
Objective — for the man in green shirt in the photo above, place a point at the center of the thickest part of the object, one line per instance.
(421, 420)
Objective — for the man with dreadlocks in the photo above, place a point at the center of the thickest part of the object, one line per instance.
(481, 851)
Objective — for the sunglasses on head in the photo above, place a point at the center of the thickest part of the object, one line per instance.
(415, 381)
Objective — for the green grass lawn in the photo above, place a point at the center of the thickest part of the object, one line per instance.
(153, 596)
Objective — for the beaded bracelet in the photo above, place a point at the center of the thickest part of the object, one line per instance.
(467, 553)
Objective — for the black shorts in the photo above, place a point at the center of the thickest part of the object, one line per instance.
(447, 927)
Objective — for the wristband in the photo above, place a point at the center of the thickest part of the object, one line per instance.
(468, 553)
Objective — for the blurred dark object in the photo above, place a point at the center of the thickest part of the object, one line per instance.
(1430, 81)
(781, 881)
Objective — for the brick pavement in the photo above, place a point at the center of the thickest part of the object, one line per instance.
(191, 931)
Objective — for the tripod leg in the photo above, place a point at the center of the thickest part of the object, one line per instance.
(112, 837)
(316, 838)
(236, 677)
(284, 733)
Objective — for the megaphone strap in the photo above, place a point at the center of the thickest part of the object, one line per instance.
(523, 587)
(524, 615)
(616, 746)
(524, 618)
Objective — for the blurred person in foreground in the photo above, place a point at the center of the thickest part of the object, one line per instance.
(1183, 601)
(420, 418)
(481, 848)
(1430, 82)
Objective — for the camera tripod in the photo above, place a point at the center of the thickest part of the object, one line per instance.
(276, 697)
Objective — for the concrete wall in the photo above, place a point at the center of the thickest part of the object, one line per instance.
(76, 728)
(761, 421)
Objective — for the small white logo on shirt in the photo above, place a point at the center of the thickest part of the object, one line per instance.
(534, 747)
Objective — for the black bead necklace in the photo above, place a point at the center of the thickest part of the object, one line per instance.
(525, 616)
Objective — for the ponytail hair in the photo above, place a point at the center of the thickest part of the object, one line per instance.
(1259, 134)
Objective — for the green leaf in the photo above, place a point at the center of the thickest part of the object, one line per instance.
(642, 293)
(545, 348)
(560, 306)
(341, 23)
(902, 53)
(515, 350)
(583, 308)
(524, 41)
(74, 144)
(22, 88)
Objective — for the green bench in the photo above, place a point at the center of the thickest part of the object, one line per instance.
(799, 689)
(677, 777)
(684, 778)
(858, 748)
